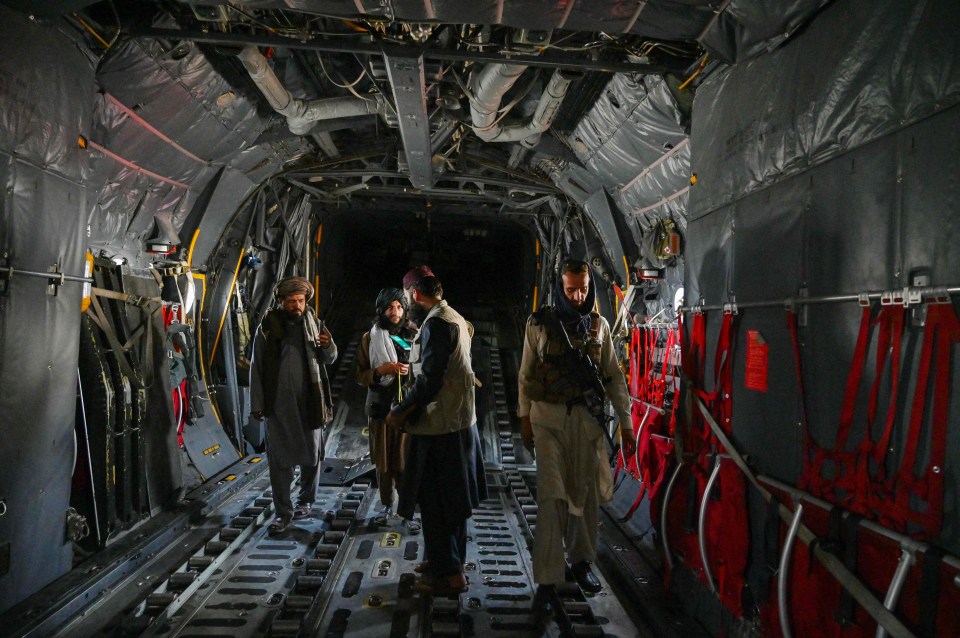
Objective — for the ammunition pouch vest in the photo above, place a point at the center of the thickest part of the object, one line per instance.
(553, 382)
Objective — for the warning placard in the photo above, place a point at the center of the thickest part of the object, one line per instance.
(756, 362)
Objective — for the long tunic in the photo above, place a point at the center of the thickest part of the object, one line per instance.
(457, 454)
(574, 445)
(289, 441)
(387, 445)
(572, 473)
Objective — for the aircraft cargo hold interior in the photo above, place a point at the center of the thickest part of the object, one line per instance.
(516, 318)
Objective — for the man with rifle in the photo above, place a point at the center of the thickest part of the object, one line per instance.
(568, 372)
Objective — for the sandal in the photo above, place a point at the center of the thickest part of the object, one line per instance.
(413, 526)
(279, 525)
(302, 510)
(383, 516)
(442, 587)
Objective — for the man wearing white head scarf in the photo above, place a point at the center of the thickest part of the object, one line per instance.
(289, 388)
(381, 365)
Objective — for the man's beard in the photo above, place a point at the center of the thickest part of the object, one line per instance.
(386, 324)
(416, 313)
(293, 315)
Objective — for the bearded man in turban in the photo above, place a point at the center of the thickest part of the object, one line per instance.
(289, 388)
(572, 474)
(382, 362)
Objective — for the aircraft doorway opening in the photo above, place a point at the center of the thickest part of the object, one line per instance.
(487, 269)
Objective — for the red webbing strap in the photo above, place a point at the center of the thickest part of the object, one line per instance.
(675, 384)
(809, 475)
(941, 333)
(636, 384)
(894, 322)
(815, 456)
(640, 494)
(853, 380)
(861, 486)
(694, 359)
(651, 363)
(693, 362)
(653, 448)
(641, 414)
(722, 395)
(720, 371)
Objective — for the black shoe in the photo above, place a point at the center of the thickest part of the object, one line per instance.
(586, 578)
(543, 606)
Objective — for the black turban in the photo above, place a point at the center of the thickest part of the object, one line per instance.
(388, 296)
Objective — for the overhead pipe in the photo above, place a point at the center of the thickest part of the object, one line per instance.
(487, 88)
(490, 85)
(301, 114)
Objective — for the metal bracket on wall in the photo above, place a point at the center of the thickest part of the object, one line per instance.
(56, 280)
(802, 315)
(919, 278)
(5, 272)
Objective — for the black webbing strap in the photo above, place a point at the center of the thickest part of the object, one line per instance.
(849, 526)
(771, 550)
(96, 313)
(930, 592)
(831, 541)
(690, 515)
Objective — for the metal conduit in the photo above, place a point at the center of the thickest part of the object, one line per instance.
(663, 515)
(702, 523)
(301, 114)
(904, 541)
(491, 84)
(783, 572)
(926, 291)
(849, 581)
(907, 559)
(54, 277)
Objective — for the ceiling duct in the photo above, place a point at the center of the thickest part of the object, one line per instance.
(492, 83)
(301, 114)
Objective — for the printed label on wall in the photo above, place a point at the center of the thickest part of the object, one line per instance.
(756, 361)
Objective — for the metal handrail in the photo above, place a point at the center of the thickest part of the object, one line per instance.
(907, 293)
(904, 541)
(783, 573)
(860, 592)
(663, 515)
(702, 522)
(57, 278)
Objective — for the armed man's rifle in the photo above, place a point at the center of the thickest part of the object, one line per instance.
(588, 380)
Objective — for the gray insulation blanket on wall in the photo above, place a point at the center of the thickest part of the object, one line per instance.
(46, 101)
(830, 166)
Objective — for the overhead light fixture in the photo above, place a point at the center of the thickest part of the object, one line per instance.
(226, 98)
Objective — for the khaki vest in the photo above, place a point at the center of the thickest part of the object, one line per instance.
(551, 382)
(453, 408)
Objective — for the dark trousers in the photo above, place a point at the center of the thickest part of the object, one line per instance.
(280, 480)
(445, 542)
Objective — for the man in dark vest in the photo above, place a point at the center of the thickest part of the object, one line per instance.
(289, 388)
(443, 472)
(573, 476)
